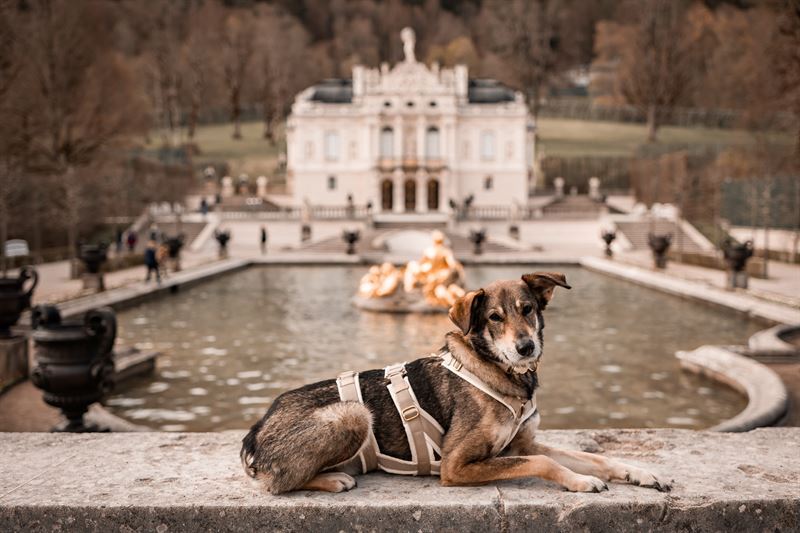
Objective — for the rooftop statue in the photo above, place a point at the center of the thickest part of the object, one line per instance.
(430, 284)
(409, 39)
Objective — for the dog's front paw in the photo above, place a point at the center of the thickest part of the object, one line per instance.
(643, 478)
(581, 483)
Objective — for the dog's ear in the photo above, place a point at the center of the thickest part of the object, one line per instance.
(542, 284)
(466, 309)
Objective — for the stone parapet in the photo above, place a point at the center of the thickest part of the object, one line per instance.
(194, 482)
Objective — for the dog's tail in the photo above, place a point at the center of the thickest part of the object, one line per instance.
(248, 452)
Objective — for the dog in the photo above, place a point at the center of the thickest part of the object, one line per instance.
(469, 391)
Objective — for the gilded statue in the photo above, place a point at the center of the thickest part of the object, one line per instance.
(437, 277)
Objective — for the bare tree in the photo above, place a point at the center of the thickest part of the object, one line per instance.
(237, 40)
(526, 35)
(654, 69)
(80, 96)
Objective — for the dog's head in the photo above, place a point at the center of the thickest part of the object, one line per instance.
(503, 320)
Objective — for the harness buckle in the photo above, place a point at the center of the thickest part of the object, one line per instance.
(410, 413)
(456, 364)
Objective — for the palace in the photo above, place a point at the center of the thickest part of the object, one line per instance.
(409, 139)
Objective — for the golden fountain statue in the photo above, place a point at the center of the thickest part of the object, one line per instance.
(430, 284)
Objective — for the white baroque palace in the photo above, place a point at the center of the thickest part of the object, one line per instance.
(409, 139)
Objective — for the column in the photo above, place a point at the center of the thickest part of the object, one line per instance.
(399, 194)
(422, 191)
(398, 138)
(421, 155)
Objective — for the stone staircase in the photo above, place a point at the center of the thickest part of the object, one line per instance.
(637, 231)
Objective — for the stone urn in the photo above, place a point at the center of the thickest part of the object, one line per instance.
(305, 233)
(513, 232)
(608, 237)
(14, 298)
(477, 239)
(174, 246)
(73, 364)
(736, 255)
(223, 237)
(93, 256)
(351, 238)
(659, 244)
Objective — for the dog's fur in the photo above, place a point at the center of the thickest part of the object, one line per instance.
(309, 430)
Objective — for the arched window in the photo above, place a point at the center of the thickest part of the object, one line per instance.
(387, 195)
(488, 183)
(432, 143)
(487, 145)
(387, 142)
(331, 183)
(410, 196)
(433, 194)
(331, 146)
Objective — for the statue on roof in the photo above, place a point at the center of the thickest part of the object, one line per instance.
(409, 39)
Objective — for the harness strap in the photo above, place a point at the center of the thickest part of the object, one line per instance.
(413, 420)
(350, 391)
(525, 410)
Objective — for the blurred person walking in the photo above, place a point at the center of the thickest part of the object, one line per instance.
(132, 238)
(263, 240)
(151, 261)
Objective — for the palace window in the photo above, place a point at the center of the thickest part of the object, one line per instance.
(433, 103)
(432, 143)
(487, 145)
(387, 142)
(331, 146)
(488, 183)
(331, 183)
(387, 103)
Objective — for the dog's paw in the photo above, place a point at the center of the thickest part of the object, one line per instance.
(643, 478)
(581, 483)
(339, 481)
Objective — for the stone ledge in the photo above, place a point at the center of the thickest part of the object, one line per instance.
(767, 398)
(194, 482)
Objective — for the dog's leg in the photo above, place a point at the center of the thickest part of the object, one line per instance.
(590, 464)
(603, 467)
(458, 469)
(331, 482)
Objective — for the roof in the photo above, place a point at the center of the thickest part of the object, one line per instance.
(333, 91)
(486, 91)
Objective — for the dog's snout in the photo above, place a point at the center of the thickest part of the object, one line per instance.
(525, 347)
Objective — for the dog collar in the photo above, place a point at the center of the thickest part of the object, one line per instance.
(521, 408)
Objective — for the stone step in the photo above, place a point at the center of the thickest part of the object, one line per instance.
(171, 482)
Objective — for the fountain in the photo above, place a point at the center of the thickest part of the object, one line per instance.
(73, 364)
(428, 285)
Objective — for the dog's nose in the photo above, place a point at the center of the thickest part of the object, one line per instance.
(525, 347)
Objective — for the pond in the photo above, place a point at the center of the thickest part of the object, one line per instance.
(231, 345)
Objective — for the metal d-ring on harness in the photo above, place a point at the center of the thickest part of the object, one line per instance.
(423, 432)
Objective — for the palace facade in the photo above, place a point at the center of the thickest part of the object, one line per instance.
(409, 139)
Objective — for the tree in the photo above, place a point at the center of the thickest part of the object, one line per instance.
(237, 40)
(79, 96)
(526, 35)
(654, 66)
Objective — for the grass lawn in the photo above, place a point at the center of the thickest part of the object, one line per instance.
(559, 137)
(574, 138)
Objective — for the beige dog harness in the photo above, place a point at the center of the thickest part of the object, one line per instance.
(423, 432)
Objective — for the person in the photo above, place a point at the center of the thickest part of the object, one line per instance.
(263, 239)
(118, 241)
(132, 238)
(204, 207)
(151, 261)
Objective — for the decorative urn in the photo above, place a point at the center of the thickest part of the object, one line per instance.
(14, 298)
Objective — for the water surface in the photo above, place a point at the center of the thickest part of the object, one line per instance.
(231, 345)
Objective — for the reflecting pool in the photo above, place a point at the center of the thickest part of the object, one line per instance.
(231, 345)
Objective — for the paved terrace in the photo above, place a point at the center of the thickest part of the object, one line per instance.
(194, 482)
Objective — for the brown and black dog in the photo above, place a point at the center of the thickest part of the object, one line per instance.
(309, 430)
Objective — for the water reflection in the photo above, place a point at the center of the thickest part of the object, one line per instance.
(233, 344)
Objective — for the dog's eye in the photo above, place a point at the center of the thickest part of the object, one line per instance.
(526, 309)
(494, 317)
